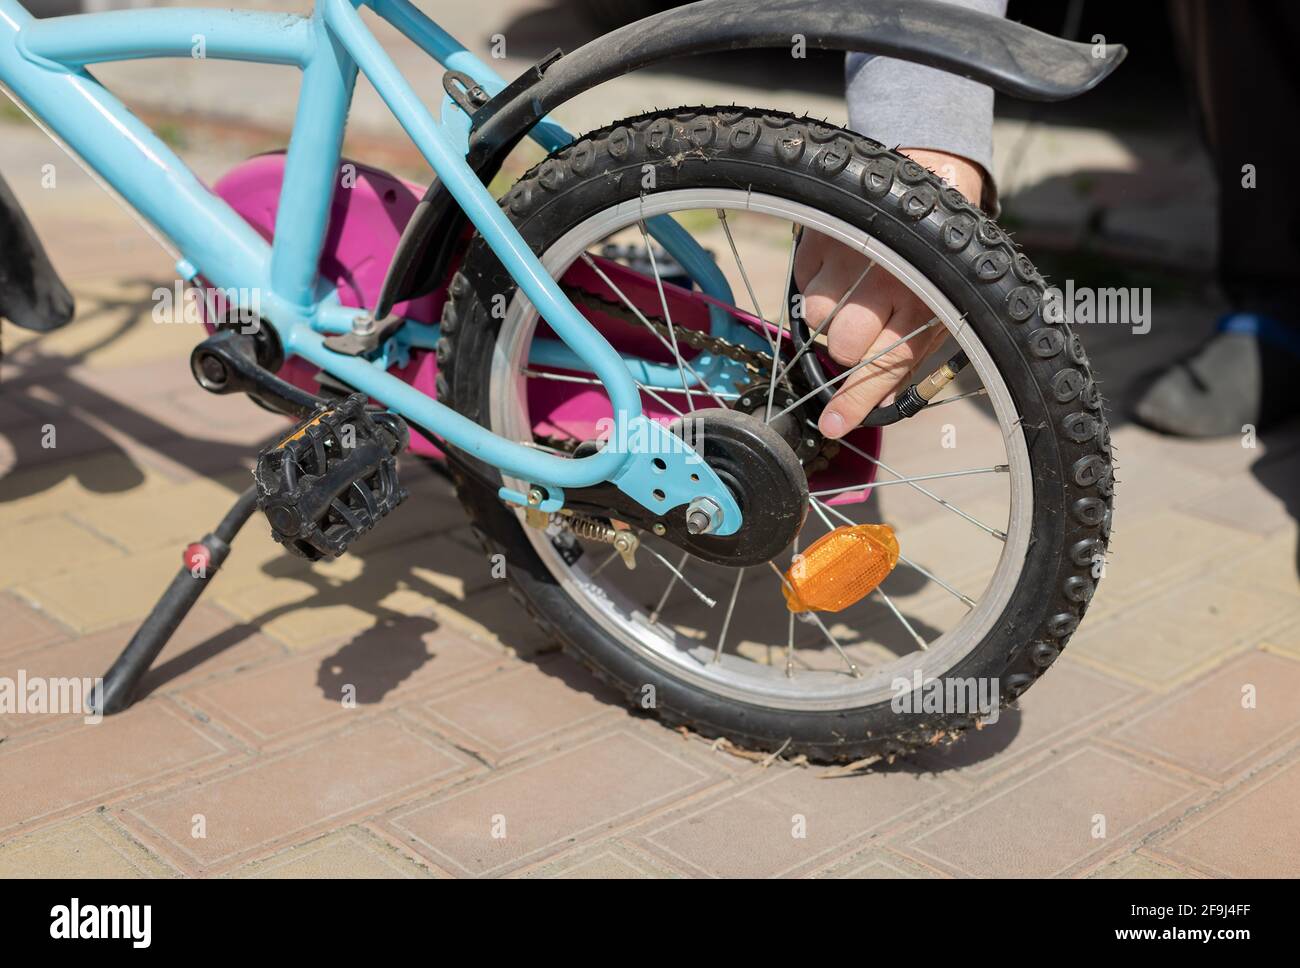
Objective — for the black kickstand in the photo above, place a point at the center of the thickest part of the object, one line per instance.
(201, 562)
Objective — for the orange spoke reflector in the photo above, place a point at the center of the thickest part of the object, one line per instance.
(841, 568)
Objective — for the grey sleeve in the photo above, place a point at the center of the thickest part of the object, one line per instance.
(903, 104)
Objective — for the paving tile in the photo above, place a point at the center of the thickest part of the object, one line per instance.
(60, 771)
(86, 421)
(307, 625)
(255, 807)
(53, 489)
(279, 701)
(491, 615)
(113, 328)
(1138, 866)
(151, 380)
(206, 643)
(454, 568)
(606, 866)
(1144, 484)
(187, 459)
(1212, 727)
(1173, 637)
(85, 847)
(1042, 824)
(59, 438)
(790, 822)
(329, 601)
(1273, 567)
(1066, 702)
(170, 515)
(882, 865)
(351, 852)
(94, 597)
(1244, 503)
(1159, 550)
(609, 860)
(1284, 640)
(548, 804)
(170, 403)
(1248, 833)
(1218, 458)
(25, 627)
(51, 545)
(520, 709)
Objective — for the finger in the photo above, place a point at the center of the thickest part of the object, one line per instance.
(830, 286)
(863, 392)
(860, 321)
(808, 257)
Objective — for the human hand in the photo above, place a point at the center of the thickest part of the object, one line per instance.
(880, 311)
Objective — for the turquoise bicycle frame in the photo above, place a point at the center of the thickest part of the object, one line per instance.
(43, 66)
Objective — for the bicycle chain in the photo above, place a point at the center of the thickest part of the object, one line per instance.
(756, 362)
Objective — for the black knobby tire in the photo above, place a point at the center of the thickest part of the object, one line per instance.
(970, 260)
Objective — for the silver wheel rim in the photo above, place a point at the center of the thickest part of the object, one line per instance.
(735, 677)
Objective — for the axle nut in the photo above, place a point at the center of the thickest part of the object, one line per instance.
(703, 516)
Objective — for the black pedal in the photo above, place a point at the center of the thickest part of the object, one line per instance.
(332, 479)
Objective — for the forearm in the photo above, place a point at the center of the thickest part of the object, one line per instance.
(902, 104)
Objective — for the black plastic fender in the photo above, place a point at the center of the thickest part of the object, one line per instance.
(1007, 56)
(31, 293)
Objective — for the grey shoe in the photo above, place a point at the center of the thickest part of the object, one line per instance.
(1210, 394)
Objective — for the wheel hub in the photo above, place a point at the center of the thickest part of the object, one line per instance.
(762, 473)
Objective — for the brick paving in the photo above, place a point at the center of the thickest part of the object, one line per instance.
(475, 749)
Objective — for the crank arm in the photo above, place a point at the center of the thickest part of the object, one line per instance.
(226, 362)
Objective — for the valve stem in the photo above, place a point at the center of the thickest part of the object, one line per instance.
(916, 397)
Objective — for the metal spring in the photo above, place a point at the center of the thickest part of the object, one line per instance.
(590, 528)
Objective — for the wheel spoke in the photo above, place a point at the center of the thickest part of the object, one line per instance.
(789, 635)
(916, 636)
(668, 316)
(726, 621)
(856, 366)
(726, 228)
(995, 469)
(663, 599)
(678, 577)
(1000, 535)
(881, 592)
(795, 233)
(817, 506)
(816, 619)
(601, 567)
(671, 347)
(789, 647)
(590, 381)
(977, 392)
(965, 599)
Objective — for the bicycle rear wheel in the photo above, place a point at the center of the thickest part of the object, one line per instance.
(999, 534)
